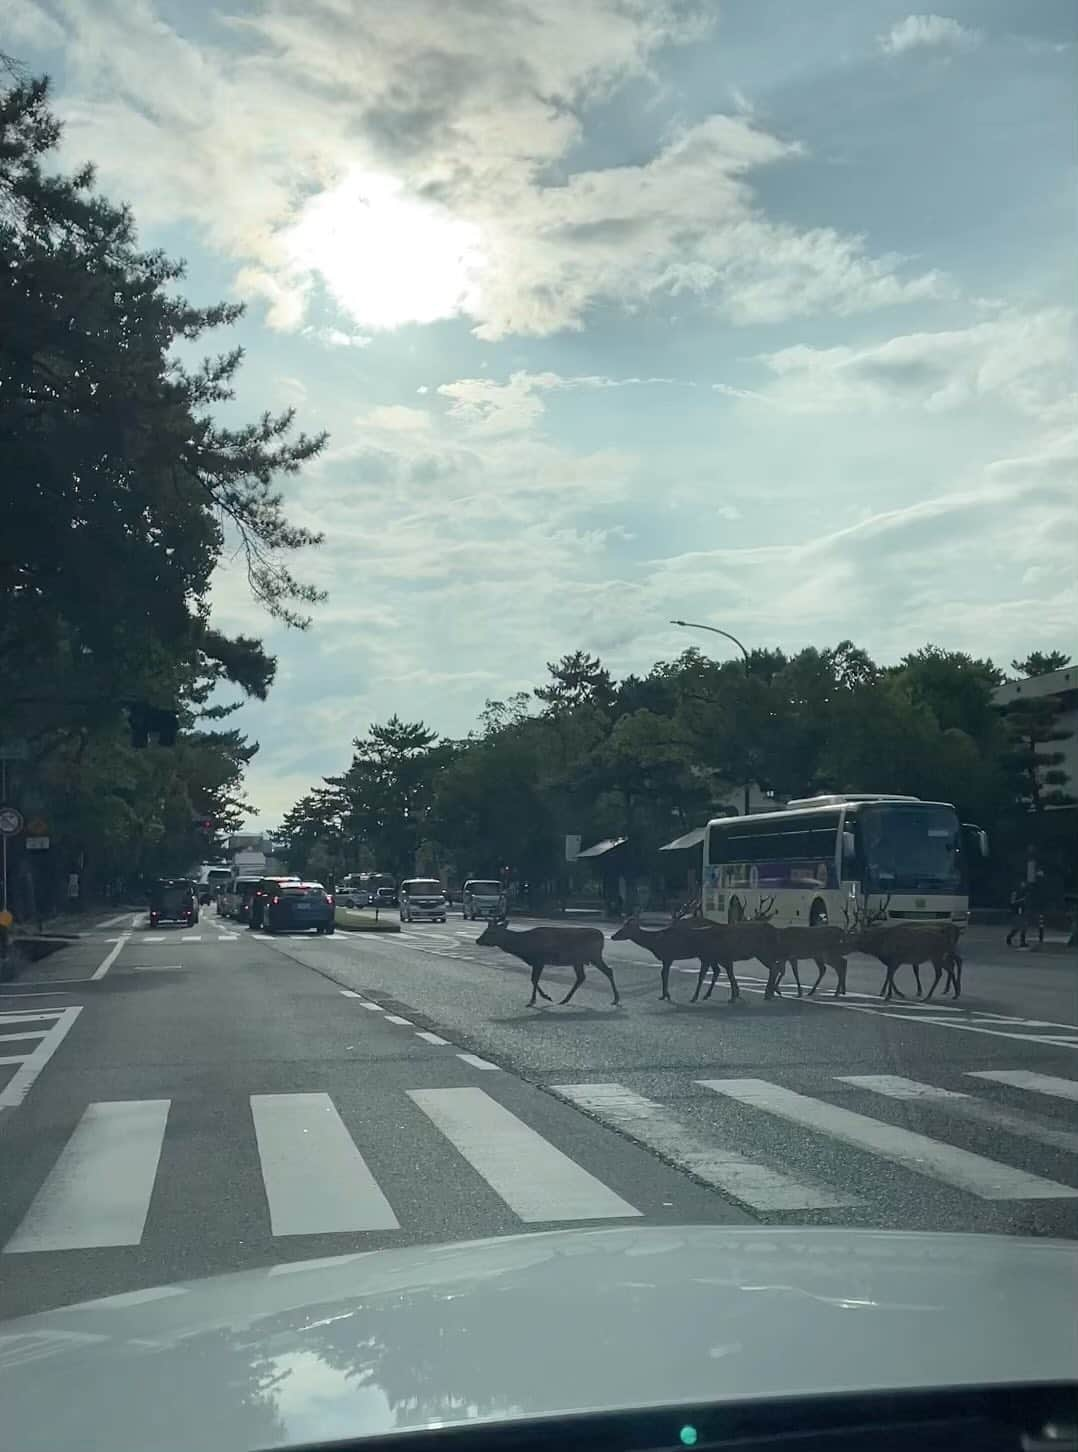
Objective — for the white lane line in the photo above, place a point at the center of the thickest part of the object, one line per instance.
(396, 1018)
(315, 1178)
(119, 918)
(20, 1083)
(226, 937)
(534, 1179)
(476, 1062)
(31, 1034)
(953, 1166)
(191, 938)
(374, 1007)
(109, 958)
(160, 938)
(746, 1180)
(1023, 1126)
(430, 1038)
(157, 968)
(45, 1015)
(347, 993)
(98, 1192)
(1038, 1083)
(950, 1023)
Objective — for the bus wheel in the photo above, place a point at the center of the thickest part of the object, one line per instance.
(818, 914)
(735, 912)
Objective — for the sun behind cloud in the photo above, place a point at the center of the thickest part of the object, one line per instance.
(387, 257)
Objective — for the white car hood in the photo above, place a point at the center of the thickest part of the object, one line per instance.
(530, 1325)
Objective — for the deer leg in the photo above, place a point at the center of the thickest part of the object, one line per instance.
(940, 965)
(605, 969)
(714, 979)
(956, 974)
(889, 990)
(735, 991)
(665, 979)
(917, 974)
(840, 969)
(821, 969)
(700, 980)
(797, 976)
(579, 971)
(537, 973)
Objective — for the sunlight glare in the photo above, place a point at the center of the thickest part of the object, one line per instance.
(386, 257)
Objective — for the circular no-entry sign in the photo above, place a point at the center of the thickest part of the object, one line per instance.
(10, 821)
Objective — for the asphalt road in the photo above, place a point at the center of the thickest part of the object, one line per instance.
(185, 1102)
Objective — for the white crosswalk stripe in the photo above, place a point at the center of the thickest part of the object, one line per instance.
(532, 1177)
(1023, 1126)
(988, 1179)
(748, 1181)
(99, 1190)
(316, 1180)
(1037, 1083)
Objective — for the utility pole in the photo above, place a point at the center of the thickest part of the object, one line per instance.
(695, 625)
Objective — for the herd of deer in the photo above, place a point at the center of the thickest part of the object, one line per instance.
(721, 945)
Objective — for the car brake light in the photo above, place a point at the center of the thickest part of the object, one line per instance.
(274, 901)
(329, 899)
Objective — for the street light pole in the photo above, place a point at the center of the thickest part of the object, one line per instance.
(695, 625)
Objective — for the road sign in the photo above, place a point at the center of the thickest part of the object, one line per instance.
(36, 844)
(6, 918)
(10, 821)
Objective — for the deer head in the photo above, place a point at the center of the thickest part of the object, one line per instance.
(625, 933)
(494, 934)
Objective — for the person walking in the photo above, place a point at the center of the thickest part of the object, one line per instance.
(1019, 901)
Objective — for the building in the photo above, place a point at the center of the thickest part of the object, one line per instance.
(1062, 683)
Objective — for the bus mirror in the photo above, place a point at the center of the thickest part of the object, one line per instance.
(978, 836)
(982, 842)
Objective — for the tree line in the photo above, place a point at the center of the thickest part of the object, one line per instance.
(123, 494)
(651, 756)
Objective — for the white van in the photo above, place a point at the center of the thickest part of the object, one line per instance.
(423, 898)
(482, 897)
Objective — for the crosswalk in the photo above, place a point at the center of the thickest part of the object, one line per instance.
(328, 1169)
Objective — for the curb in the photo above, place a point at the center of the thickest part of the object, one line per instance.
(353, 922)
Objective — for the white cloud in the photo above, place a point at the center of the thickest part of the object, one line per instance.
(416, 185)
(396, 418)
(918, 32)
(1023, 360)
(487, 407)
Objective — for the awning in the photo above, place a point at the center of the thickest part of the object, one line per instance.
(690, 839)
(602, 848)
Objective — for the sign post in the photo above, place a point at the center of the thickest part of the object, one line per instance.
(11, 824)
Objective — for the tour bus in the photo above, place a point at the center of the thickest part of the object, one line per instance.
(835, 858)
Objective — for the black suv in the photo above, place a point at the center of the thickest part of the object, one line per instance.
(260, 898)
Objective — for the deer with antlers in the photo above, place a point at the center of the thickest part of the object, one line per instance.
(550, 947)
(685, 937)
(730, 943)
(827, 946)
(898, 942)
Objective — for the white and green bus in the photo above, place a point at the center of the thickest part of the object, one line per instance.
(829, 858)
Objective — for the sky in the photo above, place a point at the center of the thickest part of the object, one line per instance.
(759, 313)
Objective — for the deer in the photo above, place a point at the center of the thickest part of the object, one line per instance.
(684, 937)
(555, 947)
(730, 943)
(827, 946)
(895, 943)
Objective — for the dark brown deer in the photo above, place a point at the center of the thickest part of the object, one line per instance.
(550, 947)
(682, 938)
(730, 943)
(827, 946)
(895, 943)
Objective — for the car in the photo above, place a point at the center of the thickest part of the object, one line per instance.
(236, 903)
(385, 897)
(266, 888)
(423, 898)
(299, 905)
(482, 897)
(173, 899)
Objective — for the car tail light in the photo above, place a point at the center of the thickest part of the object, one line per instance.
(329, 899)
(274, 901)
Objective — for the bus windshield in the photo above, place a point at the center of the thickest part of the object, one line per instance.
(910, 849)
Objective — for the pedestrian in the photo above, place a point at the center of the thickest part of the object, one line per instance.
(1018, 916)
